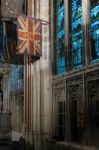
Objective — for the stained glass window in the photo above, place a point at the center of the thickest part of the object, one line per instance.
(76, 33)
(2, 44)
(15, 80)
(60, 37)
(94, 25)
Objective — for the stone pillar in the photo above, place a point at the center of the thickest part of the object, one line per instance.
(38, 101)
(67, 33)
(85, 15)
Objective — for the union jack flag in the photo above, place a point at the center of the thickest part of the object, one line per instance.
(29, 36)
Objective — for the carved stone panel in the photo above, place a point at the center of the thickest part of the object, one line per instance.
(76, 111)
(59, 98)
(93, 110)
(59, 94)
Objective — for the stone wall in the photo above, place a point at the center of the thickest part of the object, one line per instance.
(81, 96)
(11, 5)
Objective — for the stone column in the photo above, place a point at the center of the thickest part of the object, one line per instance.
(85, 15)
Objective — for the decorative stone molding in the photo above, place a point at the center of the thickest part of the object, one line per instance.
(60, 92)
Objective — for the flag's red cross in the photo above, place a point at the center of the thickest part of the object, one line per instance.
(29, 36)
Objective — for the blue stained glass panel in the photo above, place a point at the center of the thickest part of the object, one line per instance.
(60, 21)
(76, 25)
(75, 4)
(94, 25)
(2, 44)
(60, 8)
(76, 33)
(60, 61)
(60, 66)
(15, 79)
(77, 44)
(76, 13)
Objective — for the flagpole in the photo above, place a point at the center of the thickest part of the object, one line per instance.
(42, 21)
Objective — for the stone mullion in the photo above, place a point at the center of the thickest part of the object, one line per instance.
(33, 7)
(67, 34)
(85, 16)
(29, 8)
(51, 39)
